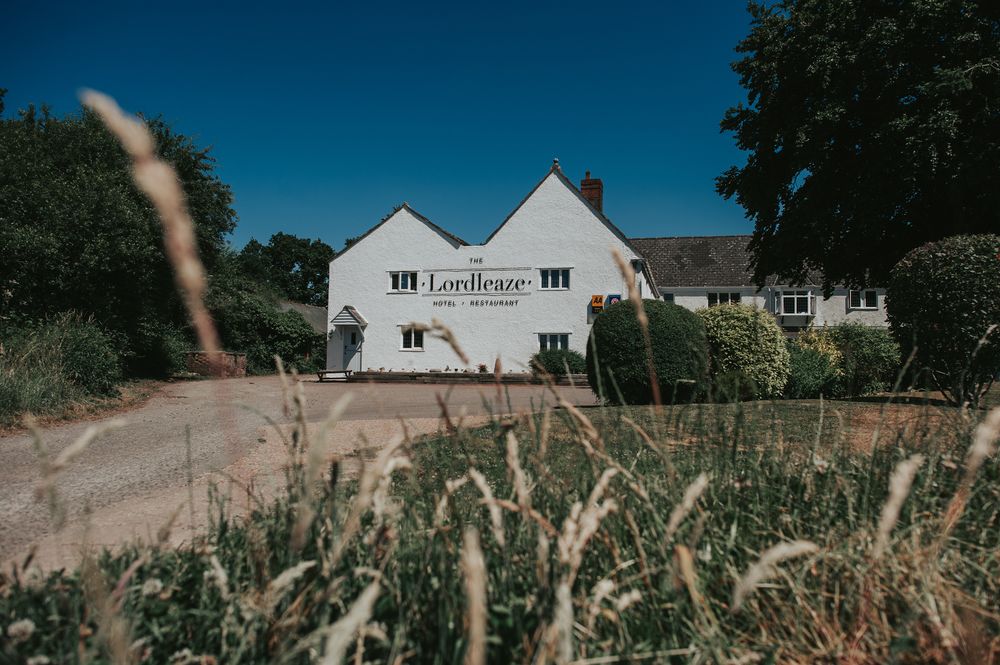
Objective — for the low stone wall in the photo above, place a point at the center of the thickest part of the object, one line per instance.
(226, 365)
(461, 377)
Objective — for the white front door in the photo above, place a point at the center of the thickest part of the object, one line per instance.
(352, 344)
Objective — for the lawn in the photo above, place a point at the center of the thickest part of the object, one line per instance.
(593, 536)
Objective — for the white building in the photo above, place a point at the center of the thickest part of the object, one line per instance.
(703, 271)
(532, 283)
(529, 286)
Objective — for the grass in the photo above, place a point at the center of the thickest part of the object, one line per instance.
(619, 534)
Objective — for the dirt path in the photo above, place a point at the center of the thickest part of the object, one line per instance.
(129, 481)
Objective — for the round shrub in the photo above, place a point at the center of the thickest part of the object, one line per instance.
(870, 358)
(89, 356)
(812, 373)
(942, 298)
(251, 324)
(748, 352)
(555, 362)
(617, 365)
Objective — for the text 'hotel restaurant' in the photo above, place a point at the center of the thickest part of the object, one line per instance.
(536, 283)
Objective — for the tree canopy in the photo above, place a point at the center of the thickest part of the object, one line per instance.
(872, 127)
(296, 268)
(76, 234)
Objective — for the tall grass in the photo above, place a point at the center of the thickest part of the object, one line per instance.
(739, 533)
(48, 367)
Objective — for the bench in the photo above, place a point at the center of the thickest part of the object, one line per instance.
(333, 374)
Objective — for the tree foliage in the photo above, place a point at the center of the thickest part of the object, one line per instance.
(942, 299)
(76, 234)
(296, 268)
(872, 127)
(617, 364)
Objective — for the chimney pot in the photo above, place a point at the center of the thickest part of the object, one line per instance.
(593, 190)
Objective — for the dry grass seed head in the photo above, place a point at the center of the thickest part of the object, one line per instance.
(474, 571)
(899, 488)
(340, 635)
(681, 510)
(766, 567)
(496, 514)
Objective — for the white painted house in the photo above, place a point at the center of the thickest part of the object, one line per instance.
(528, 287)
(703, 271)
(531, 285)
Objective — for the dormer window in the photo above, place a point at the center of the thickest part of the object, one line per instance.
(402, 282)
(866, 299)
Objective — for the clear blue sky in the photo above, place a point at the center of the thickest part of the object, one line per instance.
(324, 116)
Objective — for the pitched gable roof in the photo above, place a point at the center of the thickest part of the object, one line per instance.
(695, 261)
(555, 170)
(451, 238)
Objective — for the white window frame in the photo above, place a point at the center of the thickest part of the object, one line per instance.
(862, 299)
(794, 294)
(399, 276)
(413, 332)
(545, 276)
(731, 298)
(561, 339)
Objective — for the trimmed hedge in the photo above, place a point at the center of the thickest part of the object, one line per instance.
(942, 298)
(749, 355)
(617, 365)
(555, 362)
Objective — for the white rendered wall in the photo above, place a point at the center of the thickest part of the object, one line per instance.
(553, 228)
(829, 312)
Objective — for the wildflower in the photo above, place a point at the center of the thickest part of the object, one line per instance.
(152, 587)
(21, 631)
(821, 464)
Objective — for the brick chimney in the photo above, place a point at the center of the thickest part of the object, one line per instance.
(593, 190)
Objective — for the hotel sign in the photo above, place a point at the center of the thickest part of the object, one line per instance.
(478, 287)
(479, 282)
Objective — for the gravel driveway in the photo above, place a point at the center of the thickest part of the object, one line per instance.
(128, 482)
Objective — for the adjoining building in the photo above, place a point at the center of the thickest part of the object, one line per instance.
(536, 283)
(533, 284)
(704, 271)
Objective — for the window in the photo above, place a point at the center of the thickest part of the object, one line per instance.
(555, 278)
(403, 282)
(866, 299)
(723, 299)
(794, 302)
(552, 341)
(669, 297)
(413, 340)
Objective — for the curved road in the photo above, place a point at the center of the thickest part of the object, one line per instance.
(141, 467)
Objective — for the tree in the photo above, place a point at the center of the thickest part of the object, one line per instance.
(76, 234)
(872, 126)
(296, 268)
(943, 300)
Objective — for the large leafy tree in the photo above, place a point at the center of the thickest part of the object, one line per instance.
(872, 127)
(296, 268)
(76, 234)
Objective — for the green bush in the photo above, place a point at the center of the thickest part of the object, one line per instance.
(870, 358)
(89, 355)
(748, 353)
(812, 373)
(617, 365)
(555, 362)
(249, 323)
(45, 367)
(942, 298)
